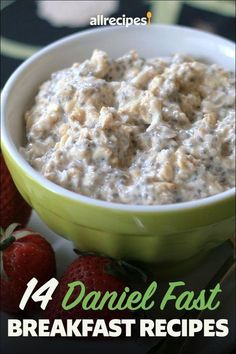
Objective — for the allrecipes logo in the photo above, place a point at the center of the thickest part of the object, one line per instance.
(100, 20)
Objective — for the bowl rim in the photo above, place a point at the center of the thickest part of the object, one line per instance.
(10, 148)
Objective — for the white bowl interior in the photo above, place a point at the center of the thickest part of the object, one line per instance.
(156, 40)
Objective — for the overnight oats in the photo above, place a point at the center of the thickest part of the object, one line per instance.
(134, 130)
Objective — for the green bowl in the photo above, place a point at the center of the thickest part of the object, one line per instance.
(153, 234)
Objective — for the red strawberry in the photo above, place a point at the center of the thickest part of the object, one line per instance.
(24, 255)
(13, 206)
(97, 274)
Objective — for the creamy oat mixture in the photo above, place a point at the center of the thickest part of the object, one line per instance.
(135, 131)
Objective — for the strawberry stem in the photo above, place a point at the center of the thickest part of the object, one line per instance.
(9, 230)
(7, 242)
(118, 268)
(6, 236)
(89, 253)
(125, 271)
(133, 269)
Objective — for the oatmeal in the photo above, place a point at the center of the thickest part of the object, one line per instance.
(134, 130)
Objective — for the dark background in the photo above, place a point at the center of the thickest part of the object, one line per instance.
(24, 29)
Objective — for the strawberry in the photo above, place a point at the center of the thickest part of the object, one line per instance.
(13, 206)
(24, 255)
(97, 273)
